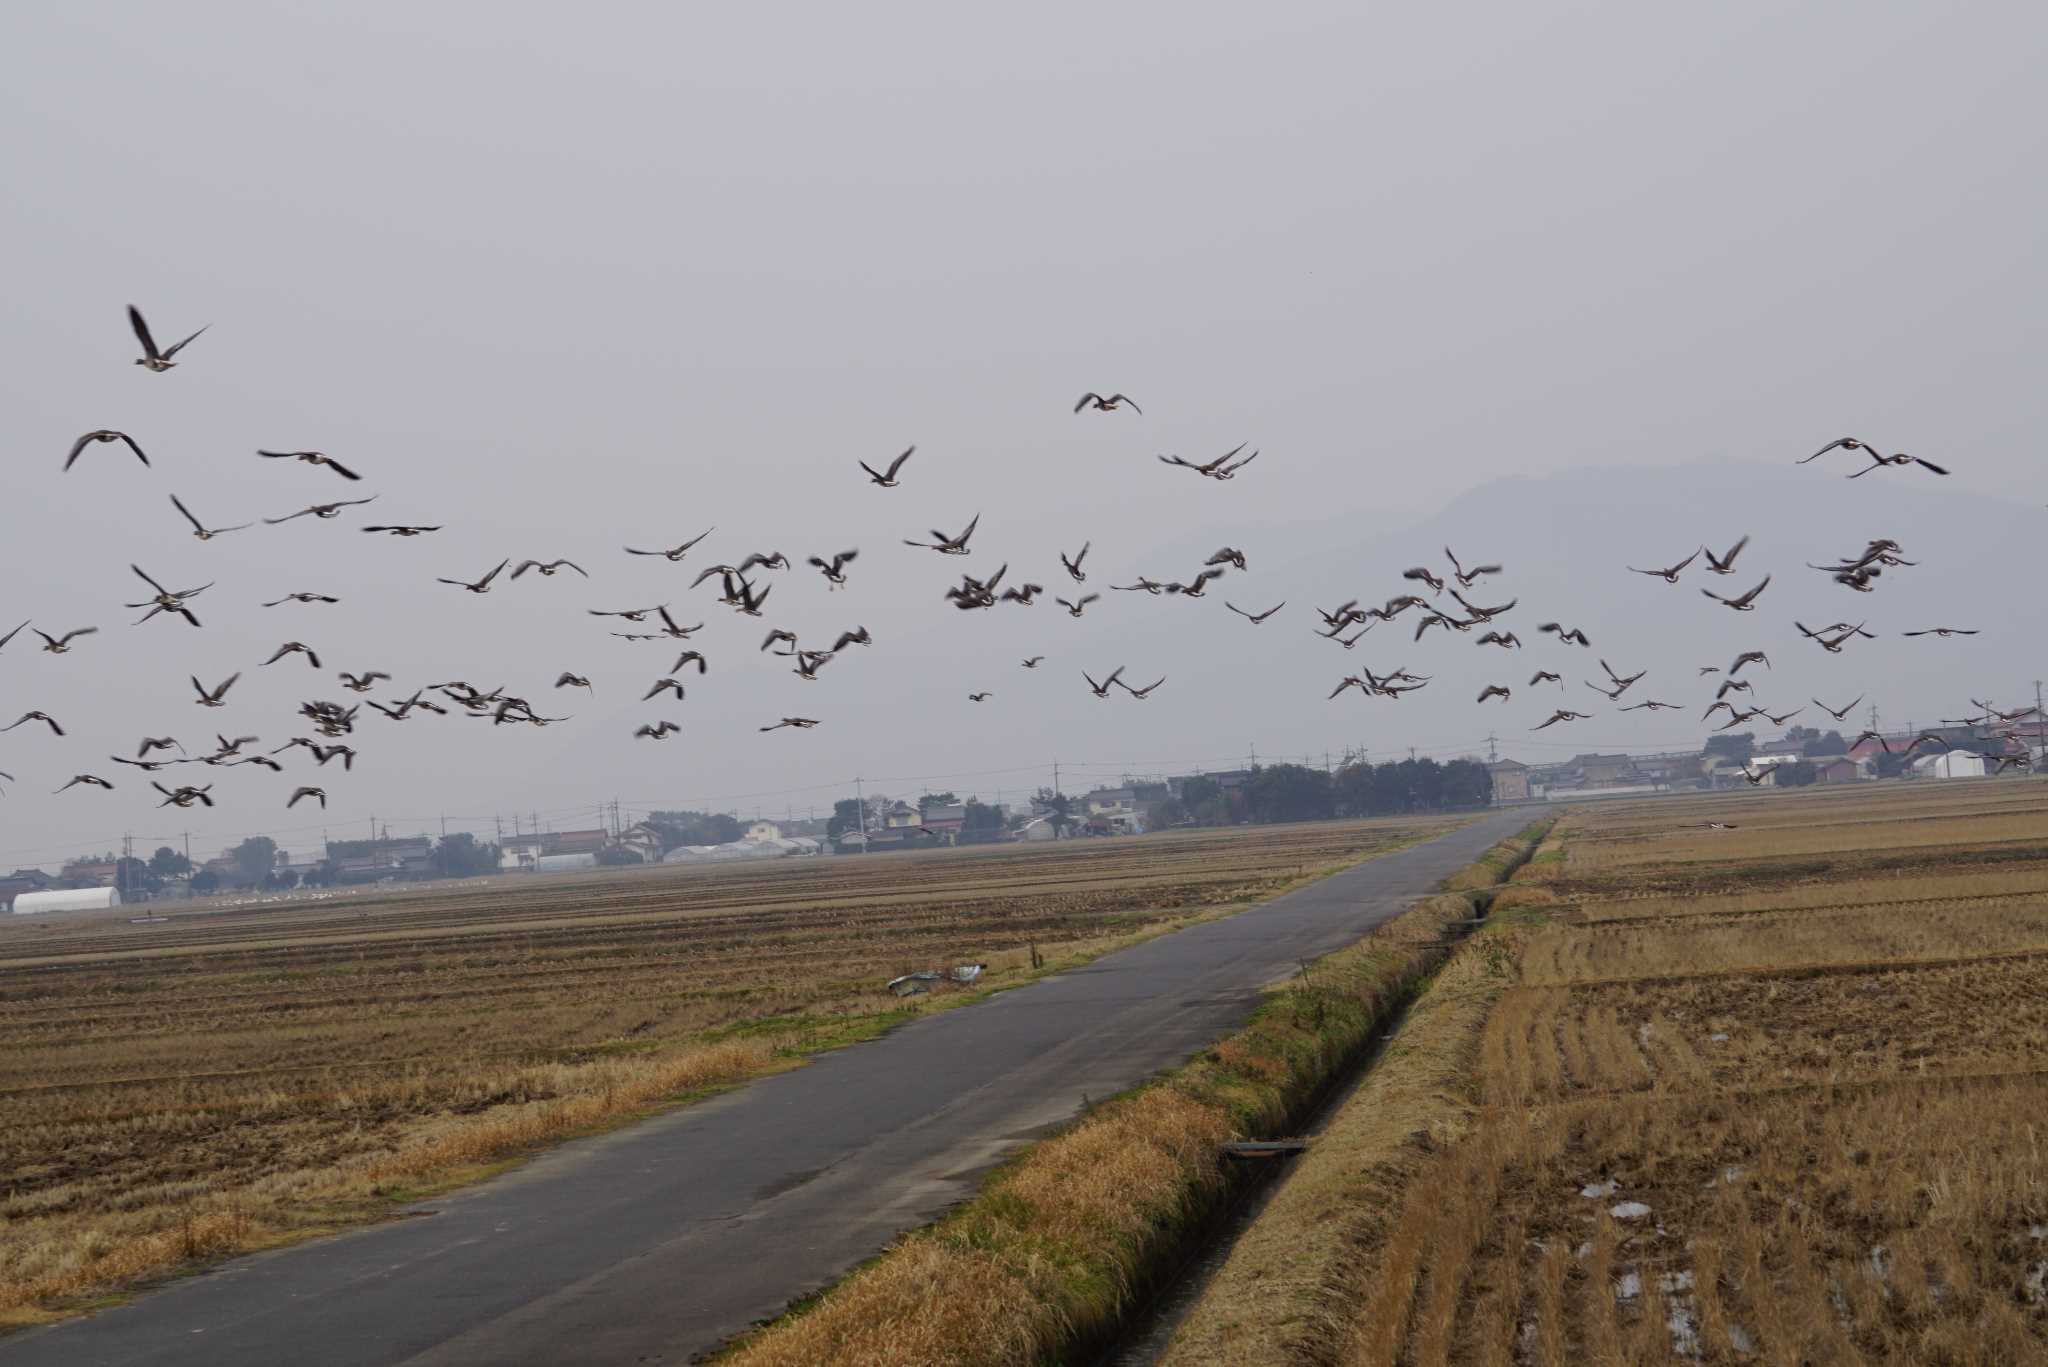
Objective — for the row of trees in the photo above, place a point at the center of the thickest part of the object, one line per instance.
(254, 865)
(1295, 792)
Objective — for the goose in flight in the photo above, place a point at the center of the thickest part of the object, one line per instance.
(362, 683)
(979, 697)
(1494, 691)
(1878, 458)
(1725, 564)
(1140, 693)
(887, 478)
(1215, 468)
(569, 680)
(1748, 657)
(200, 529)
(1255, 617)
(809, 662)
(216, 697)
(1101, 690)
(103, 434)
(302, 598)
(671, 630)
(626, 615)
(1832, 644)
(678, 552)
(323, 753)
(1353, 681)
(1196, 589)
(1152, 586)
(313, 458)
(1736, 719)
(61, 645)
(1073, 565)
(11, 635)
(151, 359)
(1545, 676)
(323, 511)
(1034, 661)
(1421, 575)
(1102, 405)
(1780, 720)
(1838, 714)
(482, 585)
(318, 793)
(834, 570)
(148, 766)
(749, 604)
(1464, 576)
(294, 648)
(42, 717)
(88, 780)
(150, 743)
(774, 560)
(857, 637)
(1076, 609)
(780, 635)
(1731, 686)
(690, 657)
(548, 568)
(1562, 714)
(1505, 640)
(1670, 574)
(402, 530)
(1942, 631)
(1573, 637)
(1745, 602)
(1611, 694)
(1651, 705)
(1348, 642)
(1755, 778)
(664, 685)
(1621, 681)
(799, 723)
(948, 545)
(164, 600)
(1479, 614)
(183, 797)
(1229, 555)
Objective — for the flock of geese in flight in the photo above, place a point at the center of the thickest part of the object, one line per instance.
(743, 587)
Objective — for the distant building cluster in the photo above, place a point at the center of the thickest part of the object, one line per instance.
(1802, 756)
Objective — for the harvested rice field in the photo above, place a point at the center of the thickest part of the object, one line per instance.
(230, 1077)
(1769, 1094)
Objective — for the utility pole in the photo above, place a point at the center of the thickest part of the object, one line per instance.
(444, 825)
(1411, 754)
(1492, 753)
(1055, 777)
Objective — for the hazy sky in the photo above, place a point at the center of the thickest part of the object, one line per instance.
(567, 278)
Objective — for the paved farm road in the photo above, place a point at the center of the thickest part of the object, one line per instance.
(657, 1241)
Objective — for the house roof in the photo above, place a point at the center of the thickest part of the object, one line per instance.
(1499, 765)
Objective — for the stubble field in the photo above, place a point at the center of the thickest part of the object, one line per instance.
(1776, 1094)
(225, 1079)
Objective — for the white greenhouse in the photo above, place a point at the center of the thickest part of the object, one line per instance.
(68, 899)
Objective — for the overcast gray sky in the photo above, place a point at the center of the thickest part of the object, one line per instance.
(567, 278)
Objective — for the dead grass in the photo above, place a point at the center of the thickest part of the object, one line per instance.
(227, 1080)
(1794, 1120)
(1068, 1232)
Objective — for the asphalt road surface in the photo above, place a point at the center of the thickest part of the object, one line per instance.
(659, 1241)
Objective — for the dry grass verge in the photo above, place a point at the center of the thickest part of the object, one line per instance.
(1056, 1246)
(1287, 1293)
